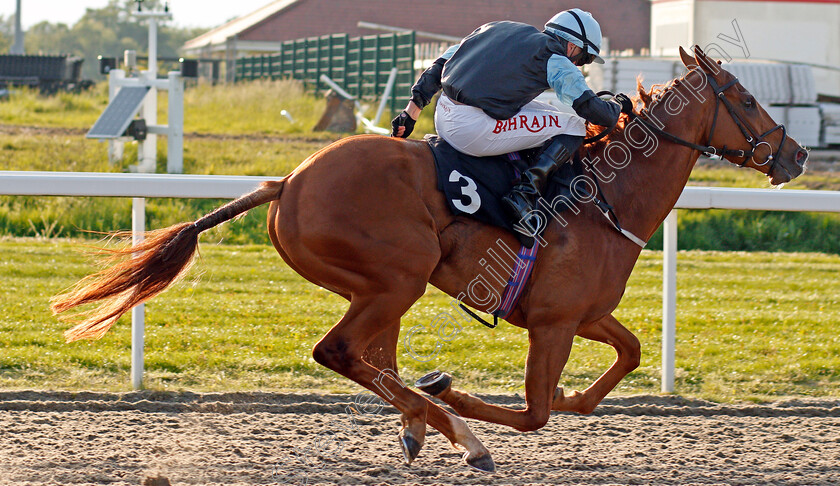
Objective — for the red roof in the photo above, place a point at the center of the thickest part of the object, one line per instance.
(625, 22)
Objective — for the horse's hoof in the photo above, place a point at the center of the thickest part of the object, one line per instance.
(434, 383)
(483, 463)
(410, 446)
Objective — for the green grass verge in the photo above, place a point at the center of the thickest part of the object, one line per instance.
(241, 108)
(750, 326)
(26, 107)
(755, 231)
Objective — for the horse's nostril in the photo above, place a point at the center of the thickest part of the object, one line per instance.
(801, 157)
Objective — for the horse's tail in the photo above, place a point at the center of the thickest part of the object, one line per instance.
(146, 269)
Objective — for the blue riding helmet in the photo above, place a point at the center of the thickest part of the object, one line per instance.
(580, 28)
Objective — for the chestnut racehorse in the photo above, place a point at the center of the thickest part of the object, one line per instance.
(363, 218)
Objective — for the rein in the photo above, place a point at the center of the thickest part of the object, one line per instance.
(750, 134)
(607, 130)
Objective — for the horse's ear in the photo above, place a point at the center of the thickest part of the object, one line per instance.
(705, 63)
(687, 59)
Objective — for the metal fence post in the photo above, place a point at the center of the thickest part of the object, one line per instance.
(669, 300)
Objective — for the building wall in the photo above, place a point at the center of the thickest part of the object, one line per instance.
(795, 31)
(788, 31)
(624, 22)
(671, 26)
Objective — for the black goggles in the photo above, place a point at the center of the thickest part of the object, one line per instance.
(584, 58)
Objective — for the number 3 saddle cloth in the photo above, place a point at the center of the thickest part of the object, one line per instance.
(474, 186)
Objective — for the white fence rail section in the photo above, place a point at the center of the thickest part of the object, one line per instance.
(720, 198)
(139, 186)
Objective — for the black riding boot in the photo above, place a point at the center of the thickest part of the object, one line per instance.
(520, 201)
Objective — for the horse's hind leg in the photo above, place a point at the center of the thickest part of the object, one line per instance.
(382, 354)
(382, 350)
(609, 331)
(342, 350)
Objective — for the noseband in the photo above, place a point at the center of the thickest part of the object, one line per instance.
(750, 134)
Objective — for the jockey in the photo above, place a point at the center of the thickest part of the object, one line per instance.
(489, 83)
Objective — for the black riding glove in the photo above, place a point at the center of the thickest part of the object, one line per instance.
(625, 102)
(402, 120)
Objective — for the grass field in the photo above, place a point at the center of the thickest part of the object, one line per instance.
(751, 326)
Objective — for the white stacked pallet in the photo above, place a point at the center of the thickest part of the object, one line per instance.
(802, 122)
(772, 83)
(619, 74)
(831, 123)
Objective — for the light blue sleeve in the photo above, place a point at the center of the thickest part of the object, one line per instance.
(448, 54)
(566, 79)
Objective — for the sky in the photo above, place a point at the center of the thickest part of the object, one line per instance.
(186, 13)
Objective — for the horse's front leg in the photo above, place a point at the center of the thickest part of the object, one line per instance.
(549, 347)
(609, 331)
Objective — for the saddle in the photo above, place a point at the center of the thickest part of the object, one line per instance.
(474, 186)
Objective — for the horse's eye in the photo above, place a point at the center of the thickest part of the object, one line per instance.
(750, 102)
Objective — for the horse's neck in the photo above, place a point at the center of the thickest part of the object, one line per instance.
(648, 188)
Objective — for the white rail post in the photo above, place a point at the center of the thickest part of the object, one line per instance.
(389, 86)
(150, 102)
(175, 137)
(138, 324)
(147, 150)
(115, 147)
(669, 300)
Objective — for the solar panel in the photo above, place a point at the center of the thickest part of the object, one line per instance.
(113, 122)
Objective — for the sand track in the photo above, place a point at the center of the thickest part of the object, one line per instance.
(266, 438)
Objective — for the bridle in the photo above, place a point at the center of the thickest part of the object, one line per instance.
(750, 134)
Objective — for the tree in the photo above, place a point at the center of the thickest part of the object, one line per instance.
(45, 38)
(7, 33)
(106, 31)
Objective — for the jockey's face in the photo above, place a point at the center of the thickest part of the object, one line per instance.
(577, 56)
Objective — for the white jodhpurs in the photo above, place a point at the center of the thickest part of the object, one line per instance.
(473, 132)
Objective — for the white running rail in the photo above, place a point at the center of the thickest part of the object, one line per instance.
(139, 186)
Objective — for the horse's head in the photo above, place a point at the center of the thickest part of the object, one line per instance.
(745, 133)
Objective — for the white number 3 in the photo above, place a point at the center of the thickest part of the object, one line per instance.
(469, 191)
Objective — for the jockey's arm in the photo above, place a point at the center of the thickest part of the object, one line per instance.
(571, 89)
(428, 84)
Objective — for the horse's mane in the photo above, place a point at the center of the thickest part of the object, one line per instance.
(643, 100)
